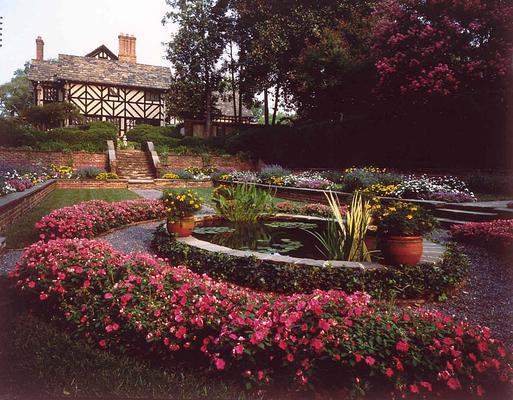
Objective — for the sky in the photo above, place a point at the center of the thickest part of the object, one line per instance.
(79, 26)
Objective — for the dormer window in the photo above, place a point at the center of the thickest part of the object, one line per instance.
(113, 92)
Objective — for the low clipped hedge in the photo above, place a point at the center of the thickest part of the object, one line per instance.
(325, 339)
(428, 281)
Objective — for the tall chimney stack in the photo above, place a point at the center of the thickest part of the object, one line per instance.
(127, 48)
(40, 45)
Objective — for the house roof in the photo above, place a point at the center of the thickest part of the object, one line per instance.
(103, 49)
(101, 71)
(225, 105)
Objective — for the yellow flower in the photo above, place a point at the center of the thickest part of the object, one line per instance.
(392, 209)
(409, 216)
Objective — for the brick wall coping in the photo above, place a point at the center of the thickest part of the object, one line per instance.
(11, 198)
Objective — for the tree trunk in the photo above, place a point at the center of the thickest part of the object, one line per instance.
(232, 70)
(208, 113)
(275, 109)
(266, 107)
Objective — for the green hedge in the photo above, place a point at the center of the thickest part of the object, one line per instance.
(427, 281)
(91, 137)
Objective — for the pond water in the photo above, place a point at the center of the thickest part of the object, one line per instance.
(287, 238)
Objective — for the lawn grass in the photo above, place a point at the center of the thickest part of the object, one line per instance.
(23, 233)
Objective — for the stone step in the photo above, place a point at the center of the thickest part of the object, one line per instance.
(447, 222)
(465, 215)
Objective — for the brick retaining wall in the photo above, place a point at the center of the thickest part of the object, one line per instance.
(15, 205)
(175, 161)
(76, 159)
(92, 184)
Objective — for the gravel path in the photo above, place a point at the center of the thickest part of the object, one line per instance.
(487, 298)
(8, 260)
(132, 238)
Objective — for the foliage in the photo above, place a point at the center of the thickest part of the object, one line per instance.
(366, 177)
(441, 48)
(243, 203)
(90, 137)
(90, 218)
(404, 219)
(496, 183)
(343, 238)
(87, 172)
(257, 335)
(434, 188)
(179, 204)
(312, 209)
(425, 280)
(194, 51)
(159, 135)
(15, 95)
(170, 175)
(103, 176)
(45, 362)
(52, 115)
(21, 176)
(62, 171)
(498, 233)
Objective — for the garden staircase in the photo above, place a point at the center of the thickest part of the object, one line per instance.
(134, 165)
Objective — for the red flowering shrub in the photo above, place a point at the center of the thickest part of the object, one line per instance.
(495, 233)
(85, 220)
(441, 47)
(326, 337)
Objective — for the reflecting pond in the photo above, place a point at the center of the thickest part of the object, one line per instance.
(288, 238)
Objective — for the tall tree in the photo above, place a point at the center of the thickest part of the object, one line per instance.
(15, 96)
(195, 52)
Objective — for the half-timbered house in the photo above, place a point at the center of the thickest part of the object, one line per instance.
(102, 85)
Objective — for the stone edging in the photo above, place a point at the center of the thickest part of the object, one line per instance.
(204, 245)
(15, 205)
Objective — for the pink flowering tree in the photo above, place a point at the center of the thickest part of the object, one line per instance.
(437, 48)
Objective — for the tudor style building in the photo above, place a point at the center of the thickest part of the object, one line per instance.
(103, 86)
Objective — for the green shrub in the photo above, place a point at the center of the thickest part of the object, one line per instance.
(490, 183)
(14, 134)
(88, 172)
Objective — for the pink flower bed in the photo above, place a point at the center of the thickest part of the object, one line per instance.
(88, 219)
(496, 233)
(320, 339)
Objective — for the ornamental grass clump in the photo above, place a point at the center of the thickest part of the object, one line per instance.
(243, 203)
(344, 239)
(324, 339)
(403, 219)
(180, 204)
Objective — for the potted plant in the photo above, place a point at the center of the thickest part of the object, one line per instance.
(401, 227)
(180, 209)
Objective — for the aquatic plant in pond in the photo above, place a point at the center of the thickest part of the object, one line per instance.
(242, 203)
(273, 237)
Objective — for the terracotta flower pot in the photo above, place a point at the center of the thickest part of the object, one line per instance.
(181, 228)
(371, 242)
(405, 250)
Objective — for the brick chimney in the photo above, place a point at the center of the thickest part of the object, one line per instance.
(127, 48)
(40, 45)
